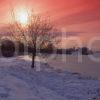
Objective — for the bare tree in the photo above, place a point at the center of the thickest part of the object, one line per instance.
(39, 33)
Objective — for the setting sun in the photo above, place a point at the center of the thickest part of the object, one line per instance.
(22, 16)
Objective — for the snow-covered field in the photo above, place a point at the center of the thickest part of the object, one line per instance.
(19, 82)
(86, 67)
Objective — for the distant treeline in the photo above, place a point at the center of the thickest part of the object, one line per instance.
(8, 49)
(83, 51)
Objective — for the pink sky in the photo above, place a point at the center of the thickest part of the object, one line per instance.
(78, 17)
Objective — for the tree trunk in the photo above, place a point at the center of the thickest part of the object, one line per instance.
(33, 60)
(33, 57)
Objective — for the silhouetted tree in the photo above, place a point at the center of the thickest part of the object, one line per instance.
(38, 33)
(7, 48)
(85, 51)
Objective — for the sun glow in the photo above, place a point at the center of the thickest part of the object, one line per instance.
(22, 16)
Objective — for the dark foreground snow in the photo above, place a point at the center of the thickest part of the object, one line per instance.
(19, 82)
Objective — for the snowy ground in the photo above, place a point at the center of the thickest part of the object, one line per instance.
(19, 82)
(86, 67)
